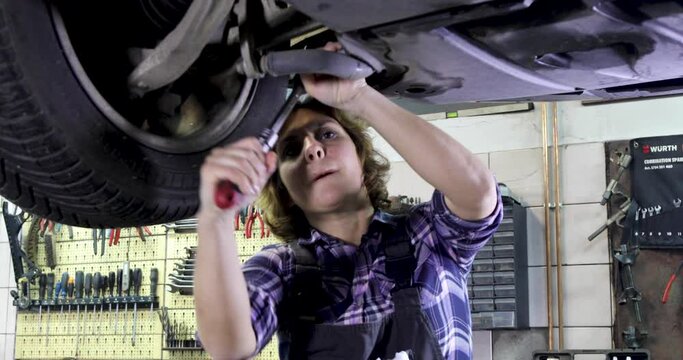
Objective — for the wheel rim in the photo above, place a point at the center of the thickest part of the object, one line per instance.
(220, 125)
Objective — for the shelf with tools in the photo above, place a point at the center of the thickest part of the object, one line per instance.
(93, 303)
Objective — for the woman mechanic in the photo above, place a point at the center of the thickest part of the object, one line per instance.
(350, 281)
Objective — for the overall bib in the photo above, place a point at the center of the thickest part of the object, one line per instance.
(405, 330)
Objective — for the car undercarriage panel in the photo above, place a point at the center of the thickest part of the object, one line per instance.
(530, 50)
(344, 16)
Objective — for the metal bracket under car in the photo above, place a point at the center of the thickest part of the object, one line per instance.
(287, 62)
(203, 20)
(181, 47)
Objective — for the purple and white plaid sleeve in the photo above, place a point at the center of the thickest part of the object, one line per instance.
(266, 273)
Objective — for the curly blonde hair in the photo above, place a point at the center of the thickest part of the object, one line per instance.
(286, 220)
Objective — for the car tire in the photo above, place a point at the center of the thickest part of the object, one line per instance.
(62, 159)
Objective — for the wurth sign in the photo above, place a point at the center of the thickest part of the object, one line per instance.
(659, 148)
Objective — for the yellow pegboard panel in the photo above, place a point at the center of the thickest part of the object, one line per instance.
(177, 242)
(97, 339)
(185, 355)
(79, 250)
(269, 352)
(90, 347)
(250, 246)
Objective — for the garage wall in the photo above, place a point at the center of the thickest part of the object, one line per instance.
(8, 312)
(511, 147)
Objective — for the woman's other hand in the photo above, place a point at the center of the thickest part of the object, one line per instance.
(333, 91)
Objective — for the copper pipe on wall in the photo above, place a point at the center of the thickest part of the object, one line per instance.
(558, 228)
(546, 213)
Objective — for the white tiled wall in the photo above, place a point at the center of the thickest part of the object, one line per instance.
(511, 145)
(7, 311)
(587, 304)
(588, 338)
(481, 345)
(520, 170)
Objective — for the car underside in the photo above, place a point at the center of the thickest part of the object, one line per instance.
(109, 108)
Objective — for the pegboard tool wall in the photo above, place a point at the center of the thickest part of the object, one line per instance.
(97, 339)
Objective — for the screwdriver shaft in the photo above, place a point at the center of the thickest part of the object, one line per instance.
(99, 323)
(50, 296)
(135, 320)
(78, 328)
(137, 282)
(61, 316)
(68, 311)
(40, 319)
(47, 327)
(116, 320)
(125, 321)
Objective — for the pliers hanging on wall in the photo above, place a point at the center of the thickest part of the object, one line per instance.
(254, 214)
(46, 225)
(264, 227)
(142, 230)
(58, 230)
(114, 236)
(672, 278)
(237, 221)
(98, 235)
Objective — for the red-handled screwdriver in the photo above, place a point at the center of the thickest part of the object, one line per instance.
(227, 194)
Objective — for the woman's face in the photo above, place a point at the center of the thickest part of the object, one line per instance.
(318, 163)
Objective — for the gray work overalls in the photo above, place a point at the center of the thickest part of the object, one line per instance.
(304, 336)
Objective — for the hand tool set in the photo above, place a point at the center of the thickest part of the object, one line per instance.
(90, 294)
(179, 335)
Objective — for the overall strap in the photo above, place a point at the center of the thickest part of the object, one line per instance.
(400, 260)
(306, 292)
(308, 299)
(306, 266)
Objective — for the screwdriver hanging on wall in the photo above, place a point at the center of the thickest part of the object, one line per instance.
(87, 297)
(49, 288)
(154, 280)
(119, 278)
(112, 283)
(64, 293)
(70, 293)
(42, 283)
(137, 282)
(104, 283)
(125, 285)
(97, 286)
(79, 298)
(128, 297)
(58, 291)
